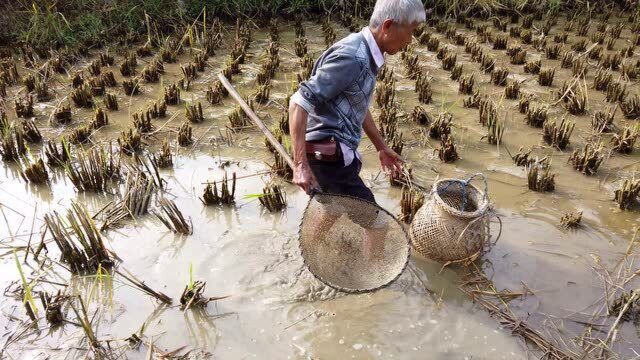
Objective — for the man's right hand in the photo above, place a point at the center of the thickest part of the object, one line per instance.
(303, 177)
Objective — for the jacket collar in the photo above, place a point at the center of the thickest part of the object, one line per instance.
(377, 55)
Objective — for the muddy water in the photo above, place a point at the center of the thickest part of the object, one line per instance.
(276, 309)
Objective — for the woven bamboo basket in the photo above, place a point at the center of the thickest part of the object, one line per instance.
(453, 223)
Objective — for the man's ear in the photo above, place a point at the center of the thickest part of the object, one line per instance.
(386, 25)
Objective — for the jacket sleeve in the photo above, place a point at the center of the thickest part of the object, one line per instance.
(338, 71)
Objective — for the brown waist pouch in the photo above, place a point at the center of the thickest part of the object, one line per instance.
(323, 150)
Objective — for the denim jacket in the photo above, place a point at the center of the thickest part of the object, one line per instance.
(338, 93)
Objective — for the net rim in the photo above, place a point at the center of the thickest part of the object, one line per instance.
(338, 287)
(483, 202)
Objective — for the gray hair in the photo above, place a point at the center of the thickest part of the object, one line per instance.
(400, 11)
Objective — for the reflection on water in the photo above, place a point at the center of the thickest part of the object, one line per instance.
(276, 307)
(97, 288)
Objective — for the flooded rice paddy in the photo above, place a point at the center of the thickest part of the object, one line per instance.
(552, 278)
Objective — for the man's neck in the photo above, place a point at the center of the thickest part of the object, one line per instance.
(377, 36)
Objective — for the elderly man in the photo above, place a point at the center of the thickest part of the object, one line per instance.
(329, 111)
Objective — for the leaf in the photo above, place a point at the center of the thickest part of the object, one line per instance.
(28, 297)
(253, 196)
(190, 276)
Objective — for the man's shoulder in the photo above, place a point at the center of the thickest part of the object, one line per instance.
(349, 45)
(353, 41)
(352, 47)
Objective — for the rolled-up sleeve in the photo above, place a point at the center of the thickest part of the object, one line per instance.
(337, 72)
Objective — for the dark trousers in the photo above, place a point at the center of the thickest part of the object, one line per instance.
(335, 178)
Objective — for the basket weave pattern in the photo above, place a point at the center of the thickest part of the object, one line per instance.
(451, 225)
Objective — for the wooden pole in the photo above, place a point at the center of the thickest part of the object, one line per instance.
(234, 94)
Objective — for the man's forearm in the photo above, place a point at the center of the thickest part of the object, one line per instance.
(297, 130)
(372, 132)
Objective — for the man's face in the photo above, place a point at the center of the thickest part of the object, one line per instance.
(397, 36)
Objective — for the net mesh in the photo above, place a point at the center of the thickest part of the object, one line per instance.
(351, 244)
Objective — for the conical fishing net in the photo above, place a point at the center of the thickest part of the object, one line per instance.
(351, 244)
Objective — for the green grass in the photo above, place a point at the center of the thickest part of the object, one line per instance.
(191, 282)
(28, 295)
(227, 8)
(490, 7)
(77, 23)
(554, 5)
(101, 285)
(73, 23)
(48, 24)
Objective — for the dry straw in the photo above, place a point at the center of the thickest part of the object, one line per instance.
(558, 134)
(602, 121)
(567, 59)
(94, 169)
(130, 141)
(540, 178)
(13, 145)
(602, 79)
(533, 67)
(441, 127)
(519, 57)
(80, 135)
(108, 79)
(261, 96)
(552, 51)
(100, 119)
(631, 108)
(589, 159)
(226, 195)
(411, 199)
(142, 122)
(423, 88)
(214, 94)
(420, 116)
(172, 217)
(31, 132)
(499, 76)
(571, 220)
(466, 83)
(35, 172)
(456, 72)
(625, 139)
(194, 112)
(79, 240)
(616, 92)
(57, 156)
(24, 107)
(131, 87)
(495, 131)
(627, 194)
(185, 134)
(164, 158)
(474, 100)
(111, 101)
(97, 86)
(135, 201)
(546, 75)
(447, 152)
(273, 198)
(512, 90)
(128, 65)
(523, 158)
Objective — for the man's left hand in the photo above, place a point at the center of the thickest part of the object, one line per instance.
(390, 161)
